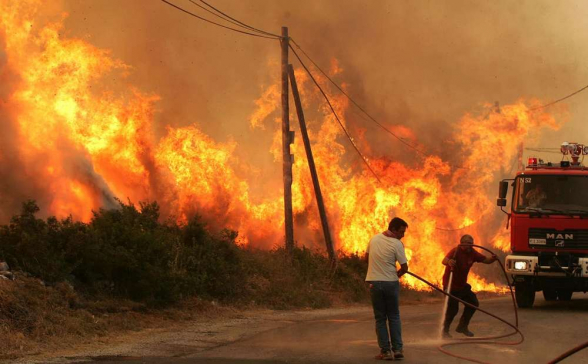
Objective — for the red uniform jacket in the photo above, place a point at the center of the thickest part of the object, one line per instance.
(464, 261)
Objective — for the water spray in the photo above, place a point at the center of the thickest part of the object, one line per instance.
(489, 339)
(446, 304)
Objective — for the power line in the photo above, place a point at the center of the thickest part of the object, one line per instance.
(217, 24)
(273, 36)
(545, 150)
(362, 116)
(268, 35)
(239, 22)
(215, 14)
(335, 114)
(351, 139)
(556, 101)
(356, 104)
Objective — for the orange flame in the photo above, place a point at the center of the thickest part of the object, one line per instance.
(90, 143)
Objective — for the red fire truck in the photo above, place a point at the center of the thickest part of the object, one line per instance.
(549, 227)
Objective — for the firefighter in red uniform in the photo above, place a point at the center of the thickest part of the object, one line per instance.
(460, 260)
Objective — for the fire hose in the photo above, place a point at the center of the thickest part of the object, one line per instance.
(491, 339)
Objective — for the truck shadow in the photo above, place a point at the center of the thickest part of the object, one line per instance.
(579, 303)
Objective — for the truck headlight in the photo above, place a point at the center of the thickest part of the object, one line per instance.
(520, 265)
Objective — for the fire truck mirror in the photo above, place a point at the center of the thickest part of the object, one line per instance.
(502, 189)
(501, 202)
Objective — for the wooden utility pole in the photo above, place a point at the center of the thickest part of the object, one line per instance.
(286, 140)
(311, 165)
(521, 164)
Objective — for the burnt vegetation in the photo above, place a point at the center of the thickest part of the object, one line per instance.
(127, 259)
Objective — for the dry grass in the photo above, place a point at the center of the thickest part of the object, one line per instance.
(36, 319)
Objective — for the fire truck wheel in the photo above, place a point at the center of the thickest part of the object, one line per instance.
(549, 294)
(564, 294)
(525, 294)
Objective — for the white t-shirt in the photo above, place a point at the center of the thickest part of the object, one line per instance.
(384, 252)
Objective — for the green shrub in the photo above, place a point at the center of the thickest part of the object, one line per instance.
(44, 249)
(124, 252)
(210, 264)
(127, 253)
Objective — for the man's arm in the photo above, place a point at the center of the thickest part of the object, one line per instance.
(449, 258)
(403, 269)
(481, 258)
(490, 259)
(448, 261)
(401, 259)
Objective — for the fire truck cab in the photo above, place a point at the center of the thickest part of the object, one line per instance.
(549, 227)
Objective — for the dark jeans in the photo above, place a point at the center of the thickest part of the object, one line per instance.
(387, 315)
(468, 296)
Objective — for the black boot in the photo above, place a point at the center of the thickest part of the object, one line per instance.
(445, 333)
(464, 330)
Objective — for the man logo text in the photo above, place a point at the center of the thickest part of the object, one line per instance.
(561, 236)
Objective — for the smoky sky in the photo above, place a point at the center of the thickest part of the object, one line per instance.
(419, 64)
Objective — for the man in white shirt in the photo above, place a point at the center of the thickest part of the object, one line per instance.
(383, 251)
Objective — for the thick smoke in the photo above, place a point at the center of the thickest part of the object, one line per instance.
(417, 67)
(15, 185)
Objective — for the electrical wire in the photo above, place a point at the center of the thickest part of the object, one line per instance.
(482, 340)
(355, 103)
(217, 24)
(370, 118)
(368, 115)
(269, 35)
(556, 101)
(335, 113)
(544, 150)
(237, 22)
(215, 14)
(274, 36)
(362, 116)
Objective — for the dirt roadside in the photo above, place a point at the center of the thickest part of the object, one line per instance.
(225, 325)
(217, 326)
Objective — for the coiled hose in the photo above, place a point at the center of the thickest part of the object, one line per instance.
(491, 339)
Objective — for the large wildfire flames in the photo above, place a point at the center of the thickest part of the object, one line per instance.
(87, 144)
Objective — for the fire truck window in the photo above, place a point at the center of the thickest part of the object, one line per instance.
(557, 195)
(519, 193)
(579, 194)
(551, 193)
(536, 196)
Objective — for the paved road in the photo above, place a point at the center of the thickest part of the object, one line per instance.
(550, 328)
